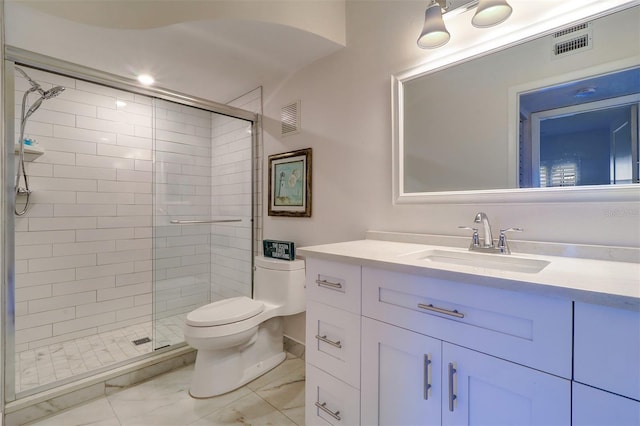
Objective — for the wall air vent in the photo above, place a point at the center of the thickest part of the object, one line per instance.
(572, 40)
(290, 118)
(571, 30)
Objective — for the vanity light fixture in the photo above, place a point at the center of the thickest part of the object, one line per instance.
(490, 13)
(434, 32)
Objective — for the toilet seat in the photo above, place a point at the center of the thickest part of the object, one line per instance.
(225, 311)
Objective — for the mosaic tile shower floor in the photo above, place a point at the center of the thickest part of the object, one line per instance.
(47, 364)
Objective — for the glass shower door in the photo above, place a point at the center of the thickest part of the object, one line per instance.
(202, 224)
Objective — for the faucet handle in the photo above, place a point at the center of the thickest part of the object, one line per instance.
(475, 239)
(503, 246)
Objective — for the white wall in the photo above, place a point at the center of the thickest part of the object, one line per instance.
(346, 119)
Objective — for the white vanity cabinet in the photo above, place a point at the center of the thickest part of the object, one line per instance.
(531, 330)
(595, 407)
(409, 344)
(607, 361)
(332, 390)
(410, 379)
(416, 375)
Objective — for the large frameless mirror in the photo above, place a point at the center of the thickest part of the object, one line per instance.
(526, 122)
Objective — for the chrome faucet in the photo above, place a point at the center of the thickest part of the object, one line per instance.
(486, 245)
(487, 241)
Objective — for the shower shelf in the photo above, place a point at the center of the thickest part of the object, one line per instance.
(30, 152)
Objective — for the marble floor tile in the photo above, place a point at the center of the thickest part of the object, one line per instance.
(276, 398)
(296, 415)
(95, 413)
(286, 392)
(250, 410)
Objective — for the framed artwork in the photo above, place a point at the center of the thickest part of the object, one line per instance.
(290, 184)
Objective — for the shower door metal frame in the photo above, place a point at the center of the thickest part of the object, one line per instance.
(16, 56)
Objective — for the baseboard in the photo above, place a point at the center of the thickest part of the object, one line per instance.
(294, 347)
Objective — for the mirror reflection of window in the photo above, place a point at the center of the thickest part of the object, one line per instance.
(586, 136)
(622, 154)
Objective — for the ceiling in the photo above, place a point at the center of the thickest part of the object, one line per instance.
(216, 50)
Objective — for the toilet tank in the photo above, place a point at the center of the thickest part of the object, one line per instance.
(280, 282)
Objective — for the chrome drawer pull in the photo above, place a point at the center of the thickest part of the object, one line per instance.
(331, 342)
(452, 395)
(329, 284)
(427, 377)
(430, 307)
(323, 407)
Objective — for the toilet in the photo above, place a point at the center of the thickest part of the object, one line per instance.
(239, 339)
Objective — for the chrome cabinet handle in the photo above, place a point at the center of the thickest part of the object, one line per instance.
(430, 307)
(452, 395)
(323, 407)
(331, 342)
(329, 284)
(427, 377)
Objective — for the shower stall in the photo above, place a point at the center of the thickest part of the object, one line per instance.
(133, 206)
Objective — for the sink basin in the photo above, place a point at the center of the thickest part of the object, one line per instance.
(481, 260)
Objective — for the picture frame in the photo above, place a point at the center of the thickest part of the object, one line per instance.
(290, 184)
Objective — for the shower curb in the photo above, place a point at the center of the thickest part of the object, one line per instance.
(38, 406)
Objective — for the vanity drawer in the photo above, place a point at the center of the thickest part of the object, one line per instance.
(333, 341)
(607, 349)
(527, 329)
(334, 283)
(329, 401)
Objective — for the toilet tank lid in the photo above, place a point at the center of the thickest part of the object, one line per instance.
(279, 264)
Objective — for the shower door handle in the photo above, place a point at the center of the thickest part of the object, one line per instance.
(191, 222)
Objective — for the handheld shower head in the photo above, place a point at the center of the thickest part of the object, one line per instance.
(53, 92)
(44, 95)
(33, 108)
(35, 86)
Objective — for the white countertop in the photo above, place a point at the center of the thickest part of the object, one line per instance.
(593, 281)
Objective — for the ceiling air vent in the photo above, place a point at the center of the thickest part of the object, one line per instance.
(572, 40)
(290, 119)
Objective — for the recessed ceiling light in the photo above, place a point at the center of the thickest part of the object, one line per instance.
(146, 79)
(585, 92)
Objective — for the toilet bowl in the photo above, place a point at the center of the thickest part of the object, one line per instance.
(239, 339)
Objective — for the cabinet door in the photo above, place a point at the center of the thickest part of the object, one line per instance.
(400, 376)
(594, 407)
(607, 349)
(479, 389)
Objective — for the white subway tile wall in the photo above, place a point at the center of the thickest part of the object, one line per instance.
(98, 230)
(77, 246)
(182, 192)
(232, 191)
